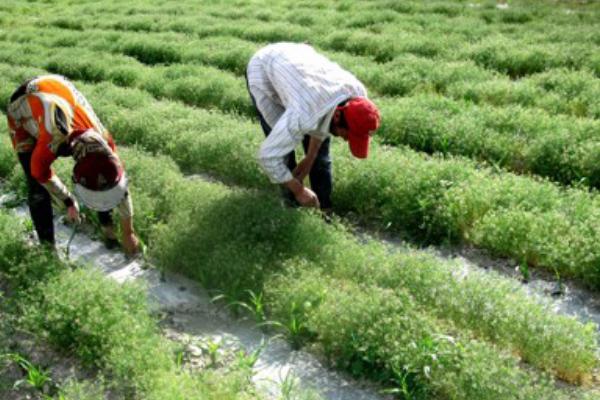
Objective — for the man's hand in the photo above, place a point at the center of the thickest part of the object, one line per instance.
(304, 196)
(73, 213)
(307, 198)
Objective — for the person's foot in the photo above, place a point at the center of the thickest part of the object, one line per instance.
(111, 243)
(110, 239)
(327, 214)
(131, 245)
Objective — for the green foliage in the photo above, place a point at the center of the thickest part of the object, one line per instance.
(195, 236)
(398, 189)
(369, 330)
(81, 390)
(7, 155)
(477, 78)
(107, 325)
(102, 322)
(35, 376)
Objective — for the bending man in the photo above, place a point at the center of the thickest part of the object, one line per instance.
(47, 118)
(301, 96)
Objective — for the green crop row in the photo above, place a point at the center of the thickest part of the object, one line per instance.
(567, 92)
(397, 189)
(108, 326)
(555, 91)
(495, 49)
(187, 225)
(523, 141)
(520, 12)
(361, 327)
(180, 81)
(472, 21)
(516, 138)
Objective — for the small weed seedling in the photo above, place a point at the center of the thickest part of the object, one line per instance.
(213, 351)
(524, 269)
(559, 287)
(246, 361)
(288, 386)
(179, 354)
(35, 377)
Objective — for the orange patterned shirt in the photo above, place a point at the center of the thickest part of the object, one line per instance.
(50, 110)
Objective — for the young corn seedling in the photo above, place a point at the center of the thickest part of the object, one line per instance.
(524, 269)
(255, 306)
(288, 386)
(213, 351)
(294, 328)
(246, 361)
(35, 377)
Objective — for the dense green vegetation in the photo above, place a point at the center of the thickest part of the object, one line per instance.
(108, 326)
(187, 224)
(514, 90)
(433, 198)
(504, 130)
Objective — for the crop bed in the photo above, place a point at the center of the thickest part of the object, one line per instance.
(489, 137)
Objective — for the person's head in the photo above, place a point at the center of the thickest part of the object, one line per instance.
(100, 182)
(355, 121)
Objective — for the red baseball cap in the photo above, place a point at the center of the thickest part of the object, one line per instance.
(362, 117)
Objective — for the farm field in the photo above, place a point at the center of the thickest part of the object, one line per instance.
(490, 139)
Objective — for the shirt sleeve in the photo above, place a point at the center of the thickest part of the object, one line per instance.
(21, 140)
(284, 138)
(41, 161)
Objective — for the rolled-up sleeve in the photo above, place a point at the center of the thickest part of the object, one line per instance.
(284, 138)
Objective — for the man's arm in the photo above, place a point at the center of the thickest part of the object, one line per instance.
(303, 168)
(41, 161)
(281, 141)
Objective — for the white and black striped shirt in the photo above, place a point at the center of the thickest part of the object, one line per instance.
(296, 90)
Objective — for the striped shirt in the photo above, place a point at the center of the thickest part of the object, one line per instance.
(296, 90)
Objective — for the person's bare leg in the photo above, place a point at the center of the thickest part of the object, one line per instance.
(131, 243)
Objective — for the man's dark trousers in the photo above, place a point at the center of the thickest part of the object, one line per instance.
(40, 205)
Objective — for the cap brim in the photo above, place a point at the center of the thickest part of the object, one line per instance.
(104, 200)
(359, 146)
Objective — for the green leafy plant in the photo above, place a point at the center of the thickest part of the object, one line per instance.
(35, 376)
(212, 348)
(524, 270)
(246, 360)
